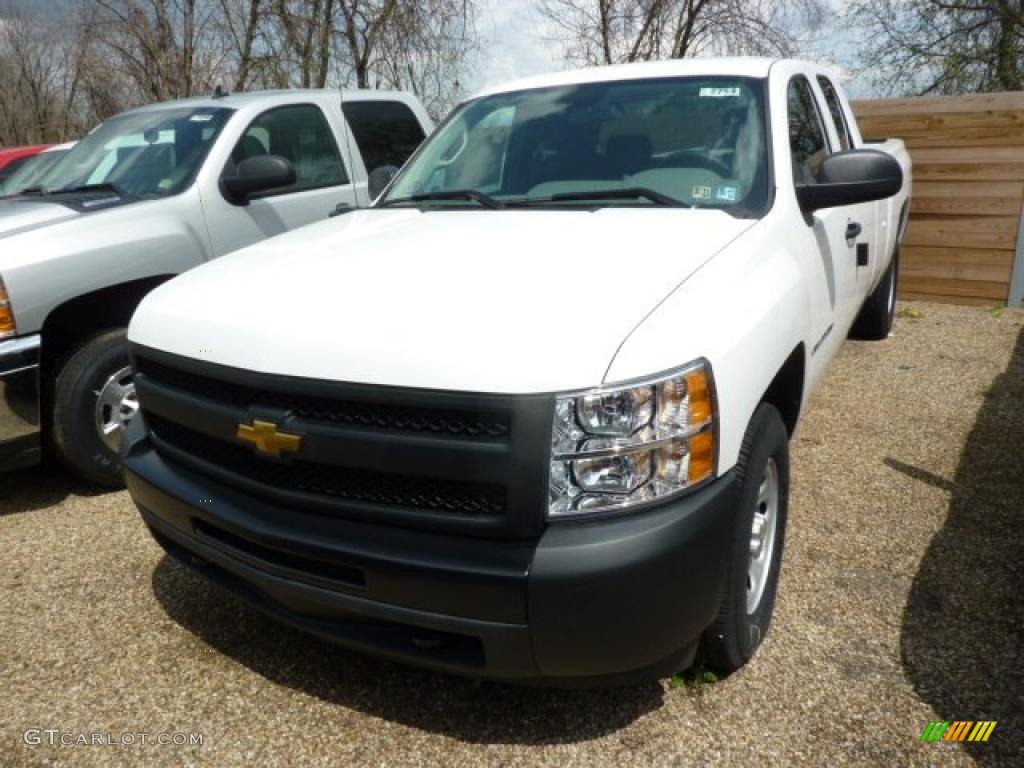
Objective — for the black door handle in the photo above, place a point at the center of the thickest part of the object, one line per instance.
(853, 230)
(339, 209)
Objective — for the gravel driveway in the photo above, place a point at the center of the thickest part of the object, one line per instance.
(901, 603)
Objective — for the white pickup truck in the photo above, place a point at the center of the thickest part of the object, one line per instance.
(145, 196)
(528, 417)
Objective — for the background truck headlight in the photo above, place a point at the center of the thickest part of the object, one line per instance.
(613, 448)
(7, 326)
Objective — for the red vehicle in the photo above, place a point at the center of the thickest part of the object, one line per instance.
(12, 158)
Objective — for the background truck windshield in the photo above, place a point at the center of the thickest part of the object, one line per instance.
(152, 153)
(699, 140)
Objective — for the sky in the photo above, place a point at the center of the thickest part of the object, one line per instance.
(521, 44)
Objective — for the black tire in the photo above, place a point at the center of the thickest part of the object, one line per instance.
(77, 440)
(875, 319)
(737, 632)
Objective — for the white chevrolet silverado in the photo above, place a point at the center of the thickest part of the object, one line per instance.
(527, 418)
(145, 196)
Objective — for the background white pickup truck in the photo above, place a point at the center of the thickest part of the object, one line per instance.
(528, 417)
(145, 196)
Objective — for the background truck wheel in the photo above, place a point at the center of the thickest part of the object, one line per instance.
(756, 556)
(94, 398)
(875, 319)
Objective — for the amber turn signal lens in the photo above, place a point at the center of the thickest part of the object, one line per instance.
(702, 456)
(699, 391)
(6, 315)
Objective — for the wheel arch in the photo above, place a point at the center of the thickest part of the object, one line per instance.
(786, 390)
(67, 324)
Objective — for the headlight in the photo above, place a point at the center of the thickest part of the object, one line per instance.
(7, 326)
(618, 447)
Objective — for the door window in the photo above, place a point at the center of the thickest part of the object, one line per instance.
(300, 134)
(386, 132)
(836, 111)
(806, 134)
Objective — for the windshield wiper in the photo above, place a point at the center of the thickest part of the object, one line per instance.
(605, 194)
(104, 186)
(448, 194)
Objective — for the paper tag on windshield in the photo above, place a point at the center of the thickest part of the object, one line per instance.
(200, 118)
(717, 93)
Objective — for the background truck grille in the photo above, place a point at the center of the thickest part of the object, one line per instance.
(443, 461)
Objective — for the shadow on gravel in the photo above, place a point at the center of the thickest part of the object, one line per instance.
(463, 709)
(40, 487)
(962, 641)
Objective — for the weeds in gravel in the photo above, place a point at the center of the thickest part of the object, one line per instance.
(696, 678)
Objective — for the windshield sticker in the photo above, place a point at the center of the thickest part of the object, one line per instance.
(717, 93)
(701, 193)
(726, 193)
(201, 118)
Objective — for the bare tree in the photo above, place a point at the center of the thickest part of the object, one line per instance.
(60, 74)
(427, 47)
(419, 45)
(941, 46)
(240, 29)
(41, 77)
(167, 48)
(298, 37)
(615, 31)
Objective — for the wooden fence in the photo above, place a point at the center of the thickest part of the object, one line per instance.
(965, 220)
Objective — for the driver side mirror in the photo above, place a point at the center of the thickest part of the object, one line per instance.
(379, 178)
(850, 177)
(257, 174)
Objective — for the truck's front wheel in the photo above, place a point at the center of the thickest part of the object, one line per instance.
(94, 398)
(758, 539)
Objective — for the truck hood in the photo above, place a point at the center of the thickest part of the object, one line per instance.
(487, 301)
(22, 215)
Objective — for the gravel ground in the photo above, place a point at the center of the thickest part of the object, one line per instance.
(900, 604)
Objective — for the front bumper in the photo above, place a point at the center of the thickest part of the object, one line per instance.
(615, 600)
(19, 402)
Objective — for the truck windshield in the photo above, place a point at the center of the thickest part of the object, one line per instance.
(30, 174)
(690, 141)
(154, 153)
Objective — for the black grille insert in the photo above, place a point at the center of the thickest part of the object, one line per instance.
(480, 425)
(343, 483)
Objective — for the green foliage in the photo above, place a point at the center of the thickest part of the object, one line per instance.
(696, 678)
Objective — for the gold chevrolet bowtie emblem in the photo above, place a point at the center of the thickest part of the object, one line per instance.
(266, 439)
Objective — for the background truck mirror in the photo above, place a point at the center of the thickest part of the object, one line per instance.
(255, 175)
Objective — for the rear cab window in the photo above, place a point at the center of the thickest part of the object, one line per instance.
(386, 132)
(835, 109)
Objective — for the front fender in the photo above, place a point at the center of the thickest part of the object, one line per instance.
(46, 267)
(745, 311)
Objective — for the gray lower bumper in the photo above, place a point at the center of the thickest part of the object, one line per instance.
(19, 401)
